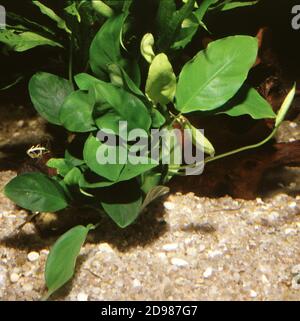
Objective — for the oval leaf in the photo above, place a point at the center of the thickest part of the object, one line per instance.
(36, 192)
(62, 258)
(123, 214)
(161, 82)
(90, 154)
(215, 74)
(249, 102)
(76, 113)
(48, 93)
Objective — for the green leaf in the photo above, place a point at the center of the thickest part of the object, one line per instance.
(52, 15)
(153, 194)
(127, 106)
(248, 102)
(199, 140)
(73, 11)
(105, 48)
(48, 92)
(102, 8)
(133, 170)
(62, 165)
(83, 183)
(36, 192)
(72, 159)
(123, 214)
(73, 177)
(157, 118)
(215, 75)
(61, 261)
(91, 157)
(161, 82)
(285, 106)
(169, 22)
(76, 112)
(237, 4)
(22, 41)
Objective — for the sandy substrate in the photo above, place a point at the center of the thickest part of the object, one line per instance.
(191, 249)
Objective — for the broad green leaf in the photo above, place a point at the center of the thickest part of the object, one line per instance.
(76, 112)
(22, 41)
(91, 154)
(62, 165)
(161, 82)
(285, 106)
(105, 48)
(123, 214)
(52, 15)
(73, 11)
(61, 261)
(153, 194)
(157, 118)
(129, 107)
(48, 92)
(110, 121)
(133, 170)
(150, 180)
(249, 102)
(215, 75)
(36, 192)
(237, 4)
(73, 177)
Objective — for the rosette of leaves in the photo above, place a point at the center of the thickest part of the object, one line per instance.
(213, 81)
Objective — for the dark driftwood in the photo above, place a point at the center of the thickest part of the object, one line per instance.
(240, 176)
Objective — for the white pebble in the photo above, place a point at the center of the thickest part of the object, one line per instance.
(293, 125)
(296, 269)
(179, 262)
(14, 277)
(253, 294)
(170, 247)
(27, 287)
(33, 256)
(192, 251)
(293, 205)
(136, 283)
(213, 254)
(82, 296)
(169, 206)
(201, 248)
(291, 140)
(105, 248)
(208, 273)
(290, 231)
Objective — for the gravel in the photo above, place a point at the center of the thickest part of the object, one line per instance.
(187, 248)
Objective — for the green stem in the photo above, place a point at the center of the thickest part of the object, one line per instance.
(71, 62)
(242, 149)
(233, 152)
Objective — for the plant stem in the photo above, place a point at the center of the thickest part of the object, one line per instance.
(71, 61)
(236, 151)
(242, 149)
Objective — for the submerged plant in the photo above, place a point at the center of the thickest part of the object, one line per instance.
(131, 81)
